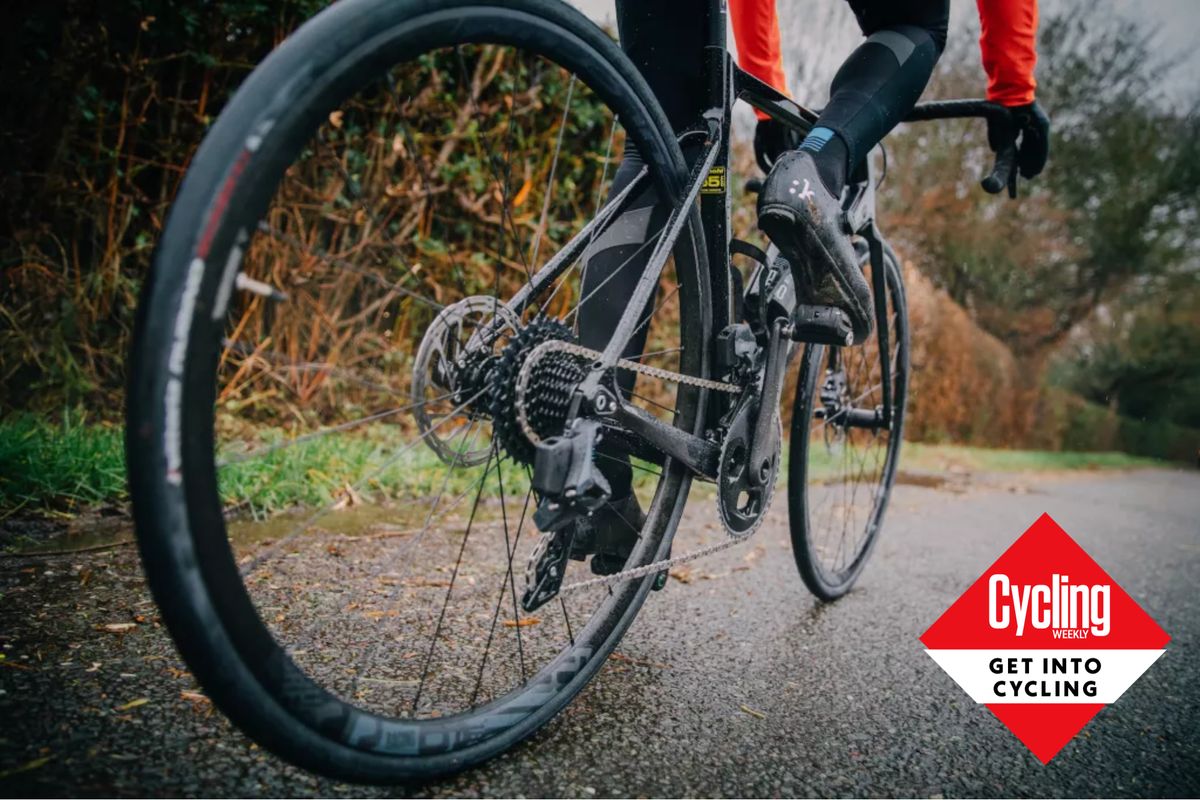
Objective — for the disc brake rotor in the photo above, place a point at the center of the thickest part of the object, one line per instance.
(451, 369)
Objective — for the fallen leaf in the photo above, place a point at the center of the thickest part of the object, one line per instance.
(681, 574)
(195, 697)
(28, 765)
(753, 713)
(141, 701)
(522, 193)
(117, 627)
(522, 623)
(335, 118)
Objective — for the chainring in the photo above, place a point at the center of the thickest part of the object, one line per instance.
(742, 504)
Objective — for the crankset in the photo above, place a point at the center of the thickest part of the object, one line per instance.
(745, 488)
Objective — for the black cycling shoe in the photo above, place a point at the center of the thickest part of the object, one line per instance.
(609, 535)
(804, 220)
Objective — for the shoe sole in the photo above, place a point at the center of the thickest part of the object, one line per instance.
(797, 242)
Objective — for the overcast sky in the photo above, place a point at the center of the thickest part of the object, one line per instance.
(1178, 23)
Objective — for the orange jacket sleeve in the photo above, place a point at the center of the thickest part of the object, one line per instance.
(756, 31)
(1009, 45)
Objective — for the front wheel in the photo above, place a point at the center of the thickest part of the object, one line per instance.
(845, 446)
(332, 509)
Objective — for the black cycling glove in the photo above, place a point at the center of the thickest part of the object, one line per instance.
(771, 140)
(1032, 126)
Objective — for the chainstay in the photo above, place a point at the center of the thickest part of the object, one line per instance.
(560, 346)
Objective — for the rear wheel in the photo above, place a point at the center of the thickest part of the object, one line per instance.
(332, 510)
(840, 474)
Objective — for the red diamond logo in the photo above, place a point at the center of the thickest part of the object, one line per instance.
(1045, 639)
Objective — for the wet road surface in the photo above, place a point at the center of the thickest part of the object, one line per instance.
(735, 682)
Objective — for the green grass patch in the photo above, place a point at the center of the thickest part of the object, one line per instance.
(74, 464)
(64, 466)
(934, 457)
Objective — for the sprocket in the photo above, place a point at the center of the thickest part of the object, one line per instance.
(552, 384)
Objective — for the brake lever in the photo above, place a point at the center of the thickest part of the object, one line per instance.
(1004, 173)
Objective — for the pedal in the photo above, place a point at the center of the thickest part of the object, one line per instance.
(822, 325)
(566, 477)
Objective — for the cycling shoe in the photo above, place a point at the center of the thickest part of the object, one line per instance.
(804, 220)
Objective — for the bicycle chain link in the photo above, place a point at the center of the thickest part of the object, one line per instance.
(643, 369)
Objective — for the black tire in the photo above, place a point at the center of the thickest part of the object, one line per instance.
(188, 559)
(810, 481)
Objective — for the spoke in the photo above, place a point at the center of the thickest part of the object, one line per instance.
(367, 658)
(345, 426)
(629, 463)
(667, 351)
(509, 584)
(417, 158)
(612, 132)
(505, 210)
(349, 266)
(433, 515)
(362, 481)
(562, 129)
(450, 589)
(278, 360)
(613, 274)
(645, 399)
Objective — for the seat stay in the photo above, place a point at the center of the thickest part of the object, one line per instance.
(573, 250)
(631, 318)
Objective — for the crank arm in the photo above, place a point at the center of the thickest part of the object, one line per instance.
(700, 455)
(867, 418)
(762, 448)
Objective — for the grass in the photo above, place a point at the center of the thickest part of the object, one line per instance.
(60, 467)
(74, 464)
(941, 456)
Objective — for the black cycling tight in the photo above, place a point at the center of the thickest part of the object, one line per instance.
(873, 90)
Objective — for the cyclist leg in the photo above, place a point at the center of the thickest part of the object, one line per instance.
(613, 264)
(799, 207)
(881, 80)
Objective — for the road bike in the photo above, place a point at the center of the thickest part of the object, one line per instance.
(361, 327)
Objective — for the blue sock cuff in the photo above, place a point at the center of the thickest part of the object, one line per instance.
(816, 139)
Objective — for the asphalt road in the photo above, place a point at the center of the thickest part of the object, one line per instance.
(735, 683)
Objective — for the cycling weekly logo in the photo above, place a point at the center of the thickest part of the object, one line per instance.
(1045, 639)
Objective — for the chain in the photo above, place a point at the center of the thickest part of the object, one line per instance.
(559, 346)
(657, 566)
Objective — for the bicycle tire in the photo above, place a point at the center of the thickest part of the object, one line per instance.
(803, 473)
(188, 560)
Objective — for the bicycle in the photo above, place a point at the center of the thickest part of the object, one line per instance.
(350, 279)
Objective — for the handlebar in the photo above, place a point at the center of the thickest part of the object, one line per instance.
(1004, 171)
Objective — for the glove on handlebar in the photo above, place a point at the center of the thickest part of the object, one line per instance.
(1031, 124)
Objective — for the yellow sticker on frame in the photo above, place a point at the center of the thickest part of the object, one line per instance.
(714, 182)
